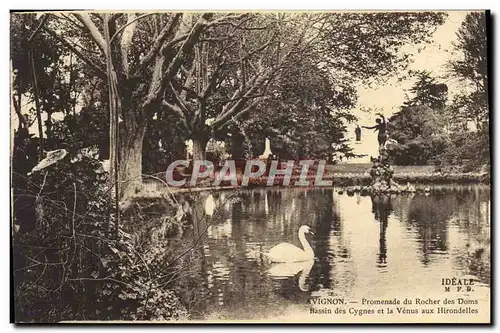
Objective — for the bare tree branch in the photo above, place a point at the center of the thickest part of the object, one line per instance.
(98, 70)
(129, 22)
(238, 108)
(157, 88)
(177, 110)
(159, 42)
(258, 49)
(68, 18)
(221, 124)
(225, 19)
(127, 36)
(40, 25)
(213, 81)
(178, 99)
(93, 30)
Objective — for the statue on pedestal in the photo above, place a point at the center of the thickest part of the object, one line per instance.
(381, 172)
(357, 131)
(267, 150)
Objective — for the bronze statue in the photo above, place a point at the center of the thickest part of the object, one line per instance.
(381, 127)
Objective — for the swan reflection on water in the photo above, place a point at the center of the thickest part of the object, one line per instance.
(285, 270)
(209, 205)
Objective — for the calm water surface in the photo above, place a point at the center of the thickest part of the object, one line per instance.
(364, 247)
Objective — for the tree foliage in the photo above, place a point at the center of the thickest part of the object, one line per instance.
(469, 108)
(369, 46)
(55, 71)
(243, 60)
(471, 67)
(206, 66)
(306, 112)
(420, 136)
(428, 91)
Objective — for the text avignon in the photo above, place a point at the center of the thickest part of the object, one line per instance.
(326, 300)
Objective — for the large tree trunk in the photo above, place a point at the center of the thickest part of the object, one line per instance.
(237, 146)
(199, 146)
(131, 159)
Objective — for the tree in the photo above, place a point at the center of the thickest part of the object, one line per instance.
(147, 52)
(163, 143)
(469, 145)
(420, 136)
(427, 91)
(82, 130)
(209, 69)
(472, 69)
(44, 76)
(459, 146)
(368, 47)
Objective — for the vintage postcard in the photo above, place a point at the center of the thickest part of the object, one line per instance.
(250, 167)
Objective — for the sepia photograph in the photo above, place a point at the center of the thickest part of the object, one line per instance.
(250, 166)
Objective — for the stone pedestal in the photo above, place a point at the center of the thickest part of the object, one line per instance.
(381, 174)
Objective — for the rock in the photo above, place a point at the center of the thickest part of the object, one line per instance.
(365, 190)
(52, 157)
(394, 190)
(395, 185)
(341, 192)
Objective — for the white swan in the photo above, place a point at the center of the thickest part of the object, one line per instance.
(286, 252)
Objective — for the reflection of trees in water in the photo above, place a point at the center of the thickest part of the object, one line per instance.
(316, 210)
(323, 222)
(239, 260)
(430, 216)
(473, 221)
(382, 208)
(298, 207)
(290, 209)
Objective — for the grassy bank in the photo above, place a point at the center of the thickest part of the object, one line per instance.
(360, 168)
(358, 174)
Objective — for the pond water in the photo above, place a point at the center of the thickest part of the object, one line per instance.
(365, 247)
